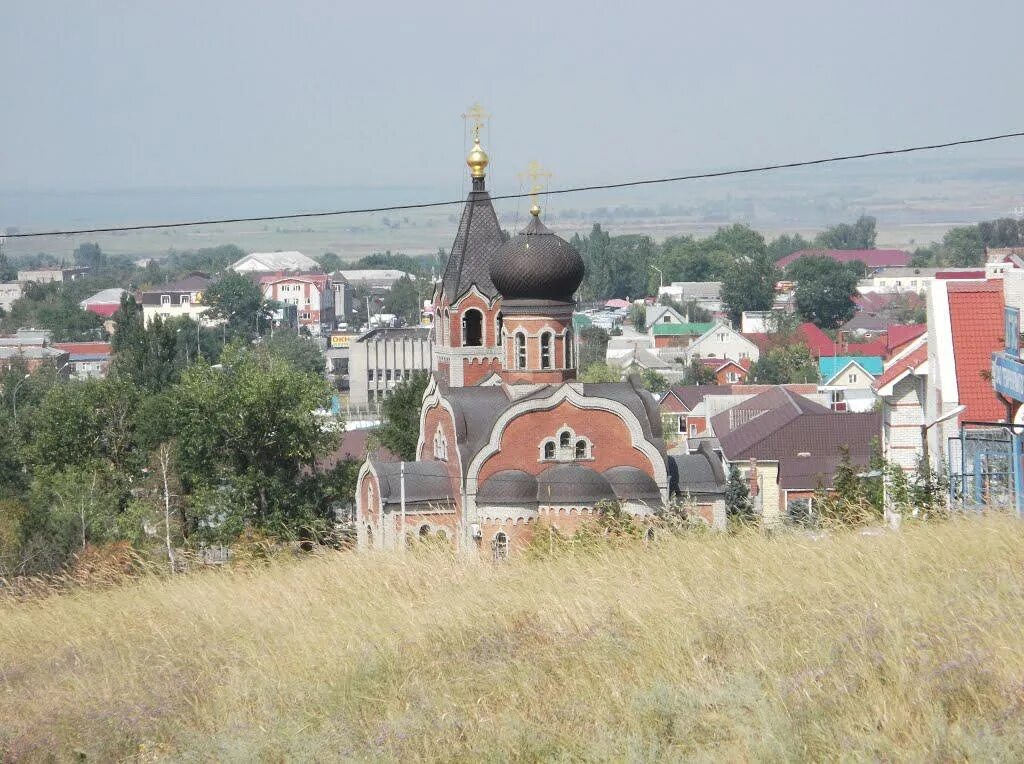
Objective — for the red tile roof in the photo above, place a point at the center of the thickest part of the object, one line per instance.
(911, 361)
(84, 348)
(960, 275)
(976, 323)
(872, 258)
(900, 334)
(104, 309)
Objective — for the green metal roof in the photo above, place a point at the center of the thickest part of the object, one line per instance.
(660, 330)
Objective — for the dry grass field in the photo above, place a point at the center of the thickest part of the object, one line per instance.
(892, 646)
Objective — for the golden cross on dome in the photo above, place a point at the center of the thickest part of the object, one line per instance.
(476, 114)
(536, 173)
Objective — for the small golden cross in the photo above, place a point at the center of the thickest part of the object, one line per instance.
(477, 115)
(536, 173)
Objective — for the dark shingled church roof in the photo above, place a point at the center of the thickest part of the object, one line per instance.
(478, 239)
(425, 482)
(537, 265)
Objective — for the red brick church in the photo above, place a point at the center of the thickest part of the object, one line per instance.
(508, 438)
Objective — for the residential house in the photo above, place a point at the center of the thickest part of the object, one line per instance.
(274, 262)
(965, 328)
(898, 281)
(705, 294)
(726, 371)
(699, 480)
(850, 380)
(788, 447)
(902, 389)
(675, 335)
(33, 357)
(722, 341)
(89, 360)
(178, 298)
(662, 314)
(310, 293)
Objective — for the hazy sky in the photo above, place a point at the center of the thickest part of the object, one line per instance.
(253, 93)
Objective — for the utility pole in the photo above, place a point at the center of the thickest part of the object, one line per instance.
(401, 482)
(661, 278)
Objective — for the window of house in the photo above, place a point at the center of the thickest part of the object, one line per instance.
(545, 351)
(564, 439)
(851, 378)
(733, 376)
(499, 545)
(186, 299)
(744, 355)
(667, 319)
(520, 351)
(581, 449)
(305, 316)
(693, 431)
(681, 424)
(472, 328)
(721, 337)
(165, 299)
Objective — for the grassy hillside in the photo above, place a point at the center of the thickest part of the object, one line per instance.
(887, 646)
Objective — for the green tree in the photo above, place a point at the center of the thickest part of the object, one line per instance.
(615, 266)
(789, 363)
(403, 300)
(824, 292)
(653, 381)
(638, 316)
(787, 244)
(749, 284)
(7, 271)
(593, 346)
(738, 506)
(238, 300)
(698, 374)
(963, 247)
(301, 352)
(400, 414)
(247, 441)
(330, 262)
(90, 256)
(147, 356)
(860, 235)
(600, 372)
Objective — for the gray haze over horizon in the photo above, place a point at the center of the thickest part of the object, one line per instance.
(229, 94)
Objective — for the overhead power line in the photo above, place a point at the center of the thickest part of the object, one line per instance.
(573, 190)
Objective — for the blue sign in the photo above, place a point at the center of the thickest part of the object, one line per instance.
(1008, 376)
(1011, 330)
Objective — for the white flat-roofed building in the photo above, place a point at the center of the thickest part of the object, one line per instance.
(382, 358)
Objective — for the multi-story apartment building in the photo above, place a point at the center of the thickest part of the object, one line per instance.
(179, 298)
(310, 293)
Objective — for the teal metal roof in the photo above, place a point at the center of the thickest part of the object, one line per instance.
(829, 366)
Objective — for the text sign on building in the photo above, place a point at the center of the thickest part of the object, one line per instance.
(1011, 330)
(1008, 376)
(340, 340)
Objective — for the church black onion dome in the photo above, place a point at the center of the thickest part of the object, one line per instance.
(537, 265)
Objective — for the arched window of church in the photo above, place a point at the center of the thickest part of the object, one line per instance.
(564, 439)
(500, 545)
(545, 350)
(437, 325)
(424, 531)
(520, 351)
(447, 327)
(549, 450)
(568, 350)
(472, 328)
(369, 498)
(500, 322)
(581, 449)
